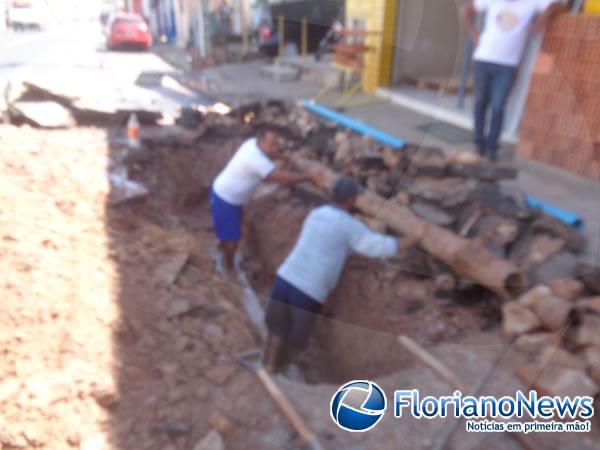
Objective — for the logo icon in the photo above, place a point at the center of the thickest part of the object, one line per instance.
(358, 406)
(507, 20)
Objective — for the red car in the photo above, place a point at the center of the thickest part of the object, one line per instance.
(128, 29)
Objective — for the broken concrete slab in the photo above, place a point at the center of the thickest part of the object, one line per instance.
(553, 312)
(497, 230)
(52, 87)
(220, 374)
(220, 422)
(402, 198)
(212, 441)
(428, 161)
(483, 171)
(168, 271)
(122, 188)
(535, 343)
(180, 307)
(574, 241)
(280, 73)
(432, 213)
(561, 265)
(534, 295)
(567, 289)
(517, 320)
(557, 356)
(464, 157)
(590, 276)
(542, 248)
(594, 374)
(586, 333)
(558, 381)
(391, 157)
(448, 192)
(588, 305)
(46, 114)
(591, 356)
(171, 136)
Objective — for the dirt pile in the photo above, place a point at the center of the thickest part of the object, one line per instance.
(115, 331)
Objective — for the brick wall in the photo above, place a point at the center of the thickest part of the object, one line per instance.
(561, 124)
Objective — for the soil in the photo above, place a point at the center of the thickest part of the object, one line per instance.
(107, 344)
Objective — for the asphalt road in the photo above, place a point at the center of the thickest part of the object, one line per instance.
(75, 52)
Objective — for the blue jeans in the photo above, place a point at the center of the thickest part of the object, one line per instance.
(492, 85)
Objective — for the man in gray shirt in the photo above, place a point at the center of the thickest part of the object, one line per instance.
(312, 269)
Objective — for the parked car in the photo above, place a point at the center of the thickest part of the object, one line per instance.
(127, 30)
(321, 15)
(28, 15)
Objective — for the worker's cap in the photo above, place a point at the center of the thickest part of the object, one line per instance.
(345, 188)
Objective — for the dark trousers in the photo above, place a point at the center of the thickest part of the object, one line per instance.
(291, 314)
(492, 85)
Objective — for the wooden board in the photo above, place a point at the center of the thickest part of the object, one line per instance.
(444, 85)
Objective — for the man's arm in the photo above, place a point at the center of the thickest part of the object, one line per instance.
(544, 18)
(288, 178)
(367, 242)
(468, 14)
(410, 241)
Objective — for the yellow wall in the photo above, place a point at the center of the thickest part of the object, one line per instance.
(377, 15)
(592, 6)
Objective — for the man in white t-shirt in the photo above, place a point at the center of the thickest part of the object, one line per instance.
(498, 52)
(234, 186)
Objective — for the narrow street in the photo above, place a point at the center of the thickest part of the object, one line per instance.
(71, 45)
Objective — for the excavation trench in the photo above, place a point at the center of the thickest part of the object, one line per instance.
(374, 302)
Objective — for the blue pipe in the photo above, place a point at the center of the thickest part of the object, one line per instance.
(569, 218)
(355, 125)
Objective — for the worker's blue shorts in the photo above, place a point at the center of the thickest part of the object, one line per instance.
(291, 314)
(227, 218)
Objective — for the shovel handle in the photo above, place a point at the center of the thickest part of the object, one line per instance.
(288, 410)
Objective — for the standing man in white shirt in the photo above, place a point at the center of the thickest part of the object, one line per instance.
(312, 269)
(234, 186)
(498, 52)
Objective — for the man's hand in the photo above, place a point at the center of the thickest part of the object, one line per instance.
(415, 238)
(467, 15)
(542, 20)
(314, 178)
(287, 178)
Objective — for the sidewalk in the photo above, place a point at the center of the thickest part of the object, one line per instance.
(560, 188)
